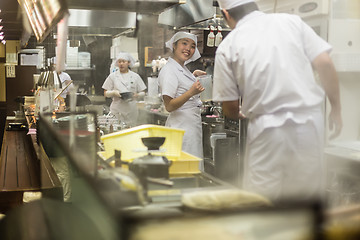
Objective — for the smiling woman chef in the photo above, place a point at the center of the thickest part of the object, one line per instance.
(124, 81)
(180, 91)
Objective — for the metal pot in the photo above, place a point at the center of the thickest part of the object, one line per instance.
(150, 166)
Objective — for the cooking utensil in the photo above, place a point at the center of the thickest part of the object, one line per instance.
(126, 96)
(153, 143)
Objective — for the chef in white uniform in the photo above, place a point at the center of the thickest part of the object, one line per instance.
(181, 91)
(124, 81)
(65, 80)
(268, 61)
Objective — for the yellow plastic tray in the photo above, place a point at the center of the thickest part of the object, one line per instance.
(129, 142)
(184, 164)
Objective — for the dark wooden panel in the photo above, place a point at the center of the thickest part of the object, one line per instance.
(32, 162)
(22, 165)
(48, 176)
(27, 164)
(10, 171)
(21, 85)
(9, 200)
(20, 169)
(2, 163)
(2, 122)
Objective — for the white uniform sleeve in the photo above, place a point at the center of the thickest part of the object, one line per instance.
(314, 45)
(168, 82)
(109, 83)
(66, 76)
(225, 86)
(140, 85)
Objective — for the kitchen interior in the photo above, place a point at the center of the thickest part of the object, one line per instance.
(96, 150)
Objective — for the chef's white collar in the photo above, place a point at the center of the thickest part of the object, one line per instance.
(181, 68)
(248, 17)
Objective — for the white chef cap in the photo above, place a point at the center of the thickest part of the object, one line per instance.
(229, 4)
(179, 35)
(126, 56)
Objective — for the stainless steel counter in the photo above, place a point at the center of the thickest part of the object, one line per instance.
(171, 196)
(343, 181)
(151, 117)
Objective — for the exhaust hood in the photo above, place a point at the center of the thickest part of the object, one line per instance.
(84, 22)
(138, 6)
(91, 18)
(195, 14)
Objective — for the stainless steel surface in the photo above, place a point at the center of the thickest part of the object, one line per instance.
(160, 194)
(160, 181)
(343, 166)
(139, 6)
(216, 21)
(210, 126)
(94, 22)
(192, 15)
(13, 22)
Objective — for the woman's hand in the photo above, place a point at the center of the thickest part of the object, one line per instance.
(335, 123)
(196, 88)
(198, 72)
(111, 93)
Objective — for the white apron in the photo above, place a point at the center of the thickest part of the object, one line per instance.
(287, 161)
(126, 111)
(189, 120)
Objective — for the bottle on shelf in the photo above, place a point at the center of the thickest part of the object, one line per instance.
(93, 90)
(218, 37)
(211, 37)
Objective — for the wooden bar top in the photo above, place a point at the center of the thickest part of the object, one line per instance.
(24, 166)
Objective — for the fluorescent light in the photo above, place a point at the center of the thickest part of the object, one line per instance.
(1, 27)
(1, 37)
(1, 33)
(3, 42)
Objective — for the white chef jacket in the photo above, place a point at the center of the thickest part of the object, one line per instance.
(124, 82)
(174, 81)
(65, 77)
(273, 87)
(266, 60)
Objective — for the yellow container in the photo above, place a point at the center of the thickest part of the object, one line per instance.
(129, 142)
(184, 164)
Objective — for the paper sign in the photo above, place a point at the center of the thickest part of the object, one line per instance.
(10, 71)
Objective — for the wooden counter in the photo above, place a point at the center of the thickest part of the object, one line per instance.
(24, 166)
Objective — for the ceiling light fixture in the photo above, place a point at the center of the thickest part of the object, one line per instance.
(1, 27)
(3, 42)
(1, 37)
(1, 33)
(44, 15)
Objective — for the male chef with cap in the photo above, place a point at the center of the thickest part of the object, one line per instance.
(267, 60)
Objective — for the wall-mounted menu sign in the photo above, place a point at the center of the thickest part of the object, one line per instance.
(43, 15)
(10, 71)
